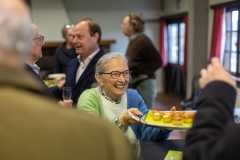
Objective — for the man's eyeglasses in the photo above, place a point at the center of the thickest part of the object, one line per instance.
(40, 38)
(116, 74)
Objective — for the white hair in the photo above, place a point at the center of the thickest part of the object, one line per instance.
(35, 33)
(100, 66)
(15, 29)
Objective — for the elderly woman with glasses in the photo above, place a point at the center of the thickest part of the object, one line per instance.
(112, 99)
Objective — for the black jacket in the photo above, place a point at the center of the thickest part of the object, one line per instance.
(52, 91)
(61, 58)
(214, 134)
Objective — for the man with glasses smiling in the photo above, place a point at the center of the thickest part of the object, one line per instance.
(32, 67)
(35, 53)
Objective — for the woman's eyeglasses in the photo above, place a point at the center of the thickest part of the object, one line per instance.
(116, 74)
(40, 38)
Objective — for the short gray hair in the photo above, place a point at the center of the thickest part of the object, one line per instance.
(100, 66)
(15, 31)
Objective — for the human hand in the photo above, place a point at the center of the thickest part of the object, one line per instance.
(215, 71)
(130, 116)
(66, 103)
(61, 83)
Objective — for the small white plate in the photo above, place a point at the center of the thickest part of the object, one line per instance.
(57, 75)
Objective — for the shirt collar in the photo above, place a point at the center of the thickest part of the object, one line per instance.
(108, 98)
(34, 67)
(131, 38)
(89, 57)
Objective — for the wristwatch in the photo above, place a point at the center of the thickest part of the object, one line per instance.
(119, 125)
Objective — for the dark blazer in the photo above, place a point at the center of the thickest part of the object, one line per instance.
(214, 134)
(86, 79)
(53, 91)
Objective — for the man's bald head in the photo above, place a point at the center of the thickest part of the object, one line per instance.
(15, 30)
(17, 6)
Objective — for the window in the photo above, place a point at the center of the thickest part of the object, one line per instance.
(231, 48)
(175, 41)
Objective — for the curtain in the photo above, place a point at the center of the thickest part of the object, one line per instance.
(163, 41)
(216, 43)
(185, 20)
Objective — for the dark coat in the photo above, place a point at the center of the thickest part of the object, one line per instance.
(214, 134)
(53, 91)
(87, 78)
(61, 58)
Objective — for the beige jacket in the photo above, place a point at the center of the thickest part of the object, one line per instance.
(33, 127)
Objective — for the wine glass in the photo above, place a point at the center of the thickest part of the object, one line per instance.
(66, 93)
(136, 146)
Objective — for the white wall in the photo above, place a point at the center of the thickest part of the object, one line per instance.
(110, 22)
(171, 7)
(49, 16)
(213, 2)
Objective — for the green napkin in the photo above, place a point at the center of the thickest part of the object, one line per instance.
(173, 155)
